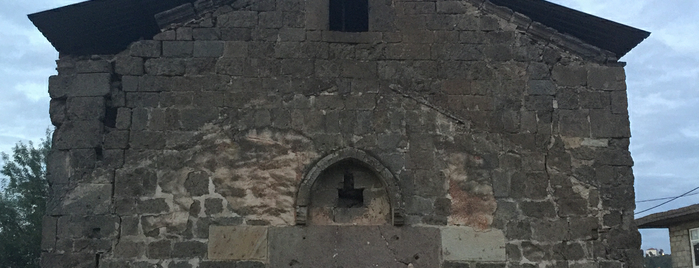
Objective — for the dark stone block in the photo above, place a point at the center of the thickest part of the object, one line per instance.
(89, 85)
(126, 65)
(78, 134)
(141, 99)
(57, 111)
(177, 49)
(542, 87)
(218, 264)
(518, 230)
(574, 123)
(153, 206)
(354, 246)
(147, 140)
(135, 183)
(604, 124)
(129, 249)
(146, 49)
(189, 249)
(197, 183)
(569, 75)
(159, 249)
(93, 66)
(208, 48)
(538, 209)
(449, 264)
(86, 108)
(75, 260)
(116, 139)
(213, 206)
(165, 66)
(490, 265)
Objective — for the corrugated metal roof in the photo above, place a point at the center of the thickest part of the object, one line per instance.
(596, 31)
(669, 218)
(108, 26)
(101, 26)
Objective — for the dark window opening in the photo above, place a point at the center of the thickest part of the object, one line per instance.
(349, 15)
(348, 197)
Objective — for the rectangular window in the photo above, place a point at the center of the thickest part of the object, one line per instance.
(349, 15)
(694, 246)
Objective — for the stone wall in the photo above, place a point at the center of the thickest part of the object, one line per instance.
(680, 245)
(494, 145)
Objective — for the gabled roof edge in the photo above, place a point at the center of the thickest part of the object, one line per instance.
(590, 36)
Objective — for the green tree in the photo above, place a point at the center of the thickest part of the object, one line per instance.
(23, 203)
(664, 261)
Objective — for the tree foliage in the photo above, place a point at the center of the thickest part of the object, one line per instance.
(23, 203)
(664, 261)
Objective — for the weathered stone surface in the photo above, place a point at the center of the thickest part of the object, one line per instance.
(468, 244)
(89, 85)
(492, 149)
(238, 243)
(364, 246)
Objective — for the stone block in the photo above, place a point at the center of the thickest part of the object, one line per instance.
(89, 85)
(354, 246)
(569, 75)
(178, 49)
(147, 140)
(208, 49)
(238, 243)
(146, 49)
(134, 183)
(129, 249)
(574, 123)
(78, 134)
(85, 108)
(94, 227)
(48, 233)
(57, 111)
(93, 66)
(538, 209)
(238, 19)
(75, 260)
(165, 66)
(468, 244)
(127, 65)
(189, 249)
(160, 249)
(606, 78)
(541, 87)
(81, 199)
(605, 124)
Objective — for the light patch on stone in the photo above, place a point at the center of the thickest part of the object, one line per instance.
(595, 142)
(572, 142)
(469, 244)
(176, 221)
(579, 188)
(238, 243)
(472, 203)
(261, 181)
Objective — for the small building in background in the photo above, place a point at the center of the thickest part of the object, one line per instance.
(683, 224)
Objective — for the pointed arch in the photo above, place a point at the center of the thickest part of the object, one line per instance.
(388, 179)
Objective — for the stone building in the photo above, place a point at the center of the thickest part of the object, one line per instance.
(338, 133)
(683, 225)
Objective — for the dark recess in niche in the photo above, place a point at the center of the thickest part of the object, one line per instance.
(110, 116)
(349, 15)
(348, 196)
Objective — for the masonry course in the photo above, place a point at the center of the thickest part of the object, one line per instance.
(490, 146)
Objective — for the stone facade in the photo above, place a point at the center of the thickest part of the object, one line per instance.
(474, 138)
(680, 244)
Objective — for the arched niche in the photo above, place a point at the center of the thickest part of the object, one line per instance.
(347, 182)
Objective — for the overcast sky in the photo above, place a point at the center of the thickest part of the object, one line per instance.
(662, 78)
